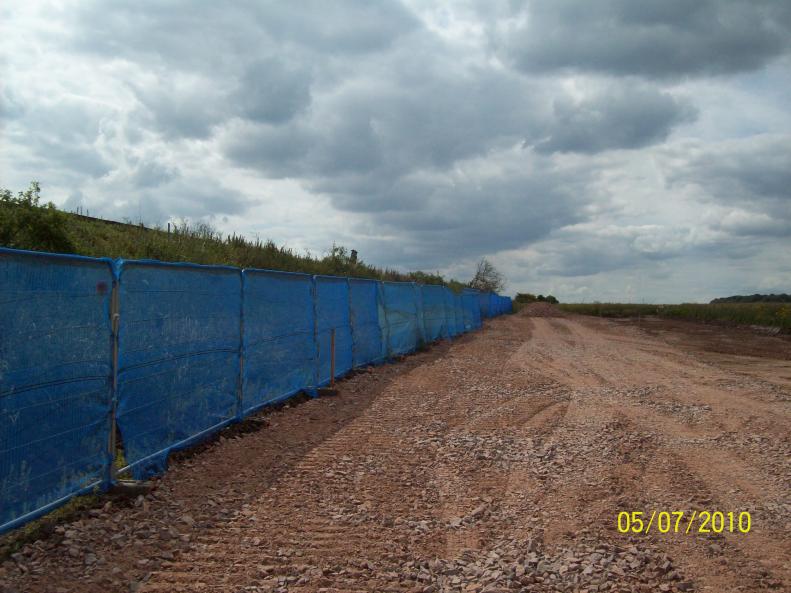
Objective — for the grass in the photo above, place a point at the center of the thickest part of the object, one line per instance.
(78, 506)
(765, 314)
(27, 224)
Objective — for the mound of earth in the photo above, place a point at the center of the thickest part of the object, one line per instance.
(541, 310)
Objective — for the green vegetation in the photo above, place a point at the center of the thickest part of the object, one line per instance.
(27, 224)
(768, 314)
(755, 298)
(15, 540)
(522, 299)
(526, 297)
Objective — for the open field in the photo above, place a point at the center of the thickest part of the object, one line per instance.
(768, 314)
(497, 463)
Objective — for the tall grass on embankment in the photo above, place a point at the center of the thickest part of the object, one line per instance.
(767, 314)
(28, 223)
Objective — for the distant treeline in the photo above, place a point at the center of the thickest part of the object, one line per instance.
(527, 297)
(26, 223)
(768, 314)
(754, 298)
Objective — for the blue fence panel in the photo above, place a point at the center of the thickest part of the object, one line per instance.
(448, 305)
(434, 322)
(55, 380)
(178, 357)
(366, 330)
(483, 303)
(401, 314)
(421, 323)
(472, 309)
(458, 314)
(332, 312)
(384, 328)
(278, 342)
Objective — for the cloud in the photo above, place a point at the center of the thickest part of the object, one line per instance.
(757, 168)
(272, 91)
(580, 145)
(210, 33)
(652, 39)
(623, 116)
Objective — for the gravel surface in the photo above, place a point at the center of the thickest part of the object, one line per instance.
(496, 463)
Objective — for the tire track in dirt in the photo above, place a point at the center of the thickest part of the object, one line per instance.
(670, 420)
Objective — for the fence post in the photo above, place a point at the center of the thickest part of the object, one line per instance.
(332, 358)
(114, 325)
(240, 381)
(316, 349)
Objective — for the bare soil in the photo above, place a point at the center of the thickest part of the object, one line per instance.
(496, 463)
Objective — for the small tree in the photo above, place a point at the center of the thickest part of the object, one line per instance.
(525, 297)
(487, 278)
(26, 224)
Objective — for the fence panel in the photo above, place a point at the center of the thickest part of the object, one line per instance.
(472, 309)
(421, 323)
(401, 314)
(483, 303)
(448, 301)
(278, 343)
(55, 380)
(178, 356)
(332, 312)
(366, 330)
(458, 314)
(434, 322)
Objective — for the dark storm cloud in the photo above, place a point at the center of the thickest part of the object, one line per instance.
(651, 38)
(623, 116)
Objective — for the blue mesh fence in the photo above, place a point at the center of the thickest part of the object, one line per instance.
(433, 306)
(458, 314)
(472, 309)
(278, 341)
(332, 312)
(483, 303)
(449, 306)
(55, 380)
(421, 322)
(178, 354)
(367, 343)
(198, 348)
(401, 315)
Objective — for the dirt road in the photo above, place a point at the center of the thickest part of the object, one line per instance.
(497, 463)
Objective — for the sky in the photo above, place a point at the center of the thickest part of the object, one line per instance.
(611, 150)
